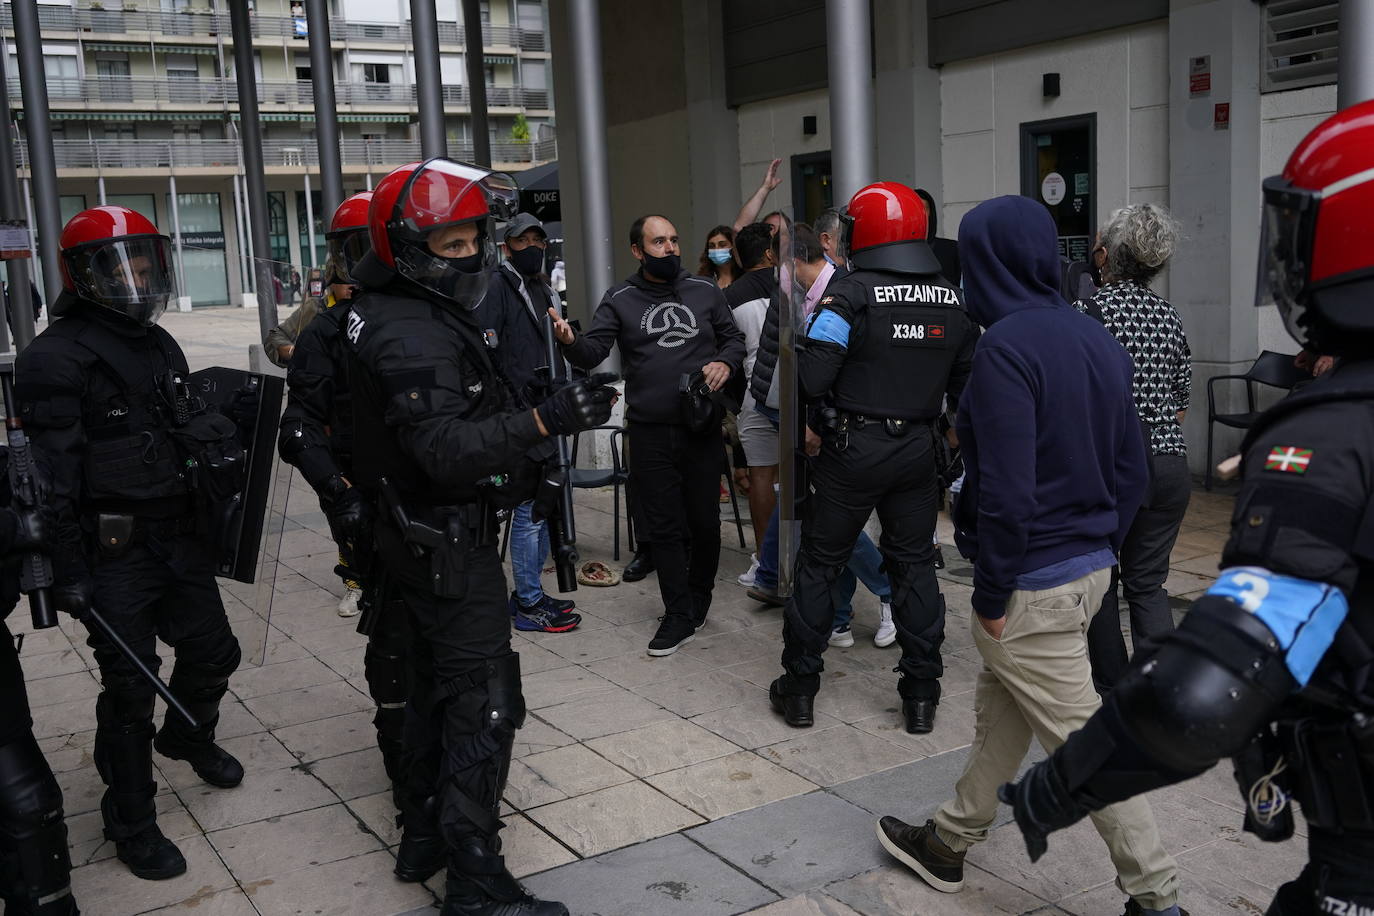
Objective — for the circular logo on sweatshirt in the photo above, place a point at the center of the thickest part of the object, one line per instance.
(672, 322)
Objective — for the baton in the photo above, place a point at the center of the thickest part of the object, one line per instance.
(92, 616)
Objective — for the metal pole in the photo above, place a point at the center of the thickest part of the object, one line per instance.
(33, 236)
(850, 55)
(429, 88)
(477, 82)
(326, 110)
(176, 235)
(310, 222)
(593, 169)
(1355, 81)
(245, 275)
(250, 132)
(42, 166)
(21, 299)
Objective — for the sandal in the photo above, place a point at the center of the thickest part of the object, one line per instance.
(598, 574)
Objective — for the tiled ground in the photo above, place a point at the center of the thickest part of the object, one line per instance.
(642, 786)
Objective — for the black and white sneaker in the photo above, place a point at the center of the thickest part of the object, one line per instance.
(923, 852)
(673, 633)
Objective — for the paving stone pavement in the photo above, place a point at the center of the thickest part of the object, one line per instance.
(641, 786)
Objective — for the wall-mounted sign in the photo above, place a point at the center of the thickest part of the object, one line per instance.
(1221, 116)
(14, 239)
(1053, 188)
(1200, 75)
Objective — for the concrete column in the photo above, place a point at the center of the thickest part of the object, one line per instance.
(477, 83)
(712, 128)
(183, 300)
(1356, 55)
(1214, 189)
(424, 30)
(850, 64)
(593, 168)
(28, 41)
(907, 90)
(326, 109)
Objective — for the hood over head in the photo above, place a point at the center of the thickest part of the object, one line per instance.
(1010, 258)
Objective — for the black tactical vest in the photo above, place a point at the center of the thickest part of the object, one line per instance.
(907, 331)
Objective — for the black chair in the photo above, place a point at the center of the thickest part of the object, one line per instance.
(1273, 369)
(616, 476)
(729, 462)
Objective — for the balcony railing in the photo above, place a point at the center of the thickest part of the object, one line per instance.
(158, 154)
(128, 90)
(160, 22)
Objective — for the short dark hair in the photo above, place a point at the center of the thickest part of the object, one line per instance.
(751, 244)
(806, 244)
(637, 227)
(780, 215)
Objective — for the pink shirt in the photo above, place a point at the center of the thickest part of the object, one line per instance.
(813, 295)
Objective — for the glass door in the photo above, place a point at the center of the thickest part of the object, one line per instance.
(1059, 169)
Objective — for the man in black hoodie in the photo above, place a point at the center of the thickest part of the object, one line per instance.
(669, 325)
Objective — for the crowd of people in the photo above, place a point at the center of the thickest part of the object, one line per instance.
(427, 397)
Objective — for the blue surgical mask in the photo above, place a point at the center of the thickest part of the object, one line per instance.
(718, 255)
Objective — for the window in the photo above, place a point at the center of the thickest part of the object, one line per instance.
(64, 79)
(321, 247)
(206, 279)
(376, 73)
(113, 70)
(530, 15)
(119, 130)
(1059, 169)
(183, 78)
(189, 130)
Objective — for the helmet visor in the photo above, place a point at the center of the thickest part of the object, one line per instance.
(131, 275)
(346, 249)
(1286, 233)
(439, 195)
(445, 276)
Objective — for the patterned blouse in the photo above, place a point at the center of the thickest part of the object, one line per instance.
(1150, 330)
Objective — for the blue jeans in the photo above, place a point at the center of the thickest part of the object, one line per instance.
(529, 545)
(866, 565)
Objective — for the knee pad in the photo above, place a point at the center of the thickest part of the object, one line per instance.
(213, 656)
(124, 704)
(30, 798)
(1207, 690)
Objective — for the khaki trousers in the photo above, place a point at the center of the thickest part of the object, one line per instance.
(1036, 680)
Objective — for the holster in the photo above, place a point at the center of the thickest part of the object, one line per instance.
(448, 562)
(114, 533)
(1332, 769)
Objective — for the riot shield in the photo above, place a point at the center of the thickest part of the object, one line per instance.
(792, 484)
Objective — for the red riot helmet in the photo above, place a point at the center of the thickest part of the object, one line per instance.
(115, 258)
(1317, 241)
(884, 228)
(414, 207)
(347, 238)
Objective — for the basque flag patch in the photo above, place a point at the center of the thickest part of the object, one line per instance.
(1288, 459)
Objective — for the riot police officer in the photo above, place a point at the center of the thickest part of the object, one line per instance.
(885, 344)
(104, 396)
(435, 438)
(33, 835)
(1274, 665)
(317, 438)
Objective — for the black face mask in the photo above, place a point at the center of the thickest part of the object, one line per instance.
(664, 268)
(529, 260)
(468, 265)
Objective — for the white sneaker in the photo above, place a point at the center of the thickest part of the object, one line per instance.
(746, 579)
(842, 638)
(348, 604)
(887, 630)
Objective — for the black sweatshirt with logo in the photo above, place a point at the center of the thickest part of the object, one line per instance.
(664, 330)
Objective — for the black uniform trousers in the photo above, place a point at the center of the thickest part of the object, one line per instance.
(34, 862)
(464, 705)
(895, 475)
(675, 474)
(1338, 877)
(162, 586)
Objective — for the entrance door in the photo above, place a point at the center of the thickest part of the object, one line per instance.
(812, 189)
(1059, 169)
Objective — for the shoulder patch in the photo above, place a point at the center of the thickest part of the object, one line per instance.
(1288, 459)
(356, 323)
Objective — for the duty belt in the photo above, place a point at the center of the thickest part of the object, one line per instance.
(893, 426)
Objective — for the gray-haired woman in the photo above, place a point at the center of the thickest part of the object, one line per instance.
(1132, 247)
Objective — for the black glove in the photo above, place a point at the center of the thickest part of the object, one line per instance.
(74, 597)
(347, 511)
(579, 405)
(1042, 804)
(33, 530)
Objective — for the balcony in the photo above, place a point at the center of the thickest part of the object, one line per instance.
(210, 24)
(374, 155)
(217, 91)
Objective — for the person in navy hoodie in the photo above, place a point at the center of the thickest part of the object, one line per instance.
(1055, 471)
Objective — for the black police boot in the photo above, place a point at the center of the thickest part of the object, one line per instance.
(422, 851)
(148, 853)
(919, 716)
(640, 566)
(479, 885)
(795, 708)
(200, 693)
(939, 557)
